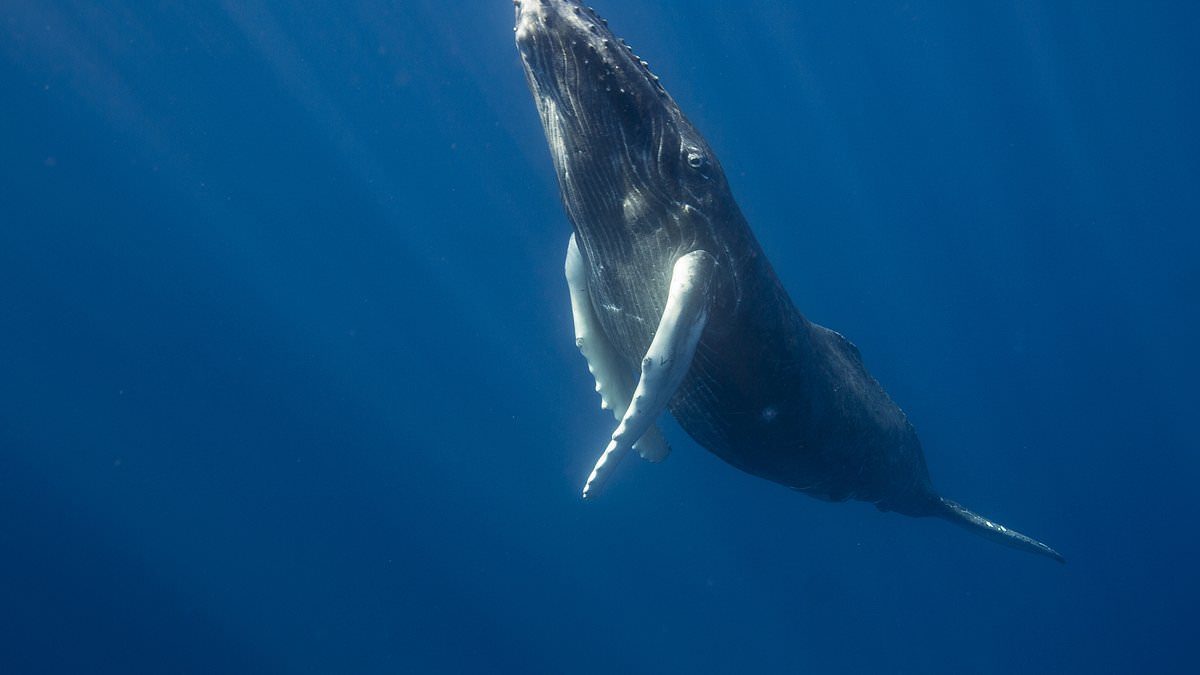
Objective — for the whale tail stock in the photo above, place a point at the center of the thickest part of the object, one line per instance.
(964, 517)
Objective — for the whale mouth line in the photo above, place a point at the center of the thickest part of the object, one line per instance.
(617, 138)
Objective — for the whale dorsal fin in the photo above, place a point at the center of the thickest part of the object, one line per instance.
(845, 346)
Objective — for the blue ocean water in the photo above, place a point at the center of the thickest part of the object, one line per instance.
(288, 383)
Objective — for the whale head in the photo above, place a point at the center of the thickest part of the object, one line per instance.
(625, 155)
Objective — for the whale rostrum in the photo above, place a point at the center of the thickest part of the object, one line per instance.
(676, 307)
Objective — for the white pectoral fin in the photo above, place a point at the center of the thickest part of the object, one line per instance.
(614, 381)
(666, 362)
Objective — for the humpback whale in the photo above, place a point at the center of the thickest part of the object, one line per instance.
(676, 307)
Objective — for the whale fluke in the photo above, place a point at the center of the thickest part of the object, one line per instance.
(990, 529)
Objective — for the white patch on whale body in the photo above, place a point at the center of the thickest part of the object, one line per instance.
(634, 206)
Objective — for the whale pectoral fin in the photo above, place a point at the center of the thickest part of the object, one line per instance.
(614, 380)
(666, 362)
(652, 446)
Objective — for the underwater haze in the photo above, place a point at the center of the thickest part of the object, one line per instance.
(288, 382)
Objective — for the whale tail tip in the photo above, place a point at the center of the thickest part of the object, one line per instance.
(964, 517)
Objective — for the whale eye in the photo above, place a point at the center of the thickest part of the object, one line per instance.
(696, 159)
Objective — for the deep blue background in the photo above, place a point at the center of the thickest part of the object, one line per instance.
(288, 385)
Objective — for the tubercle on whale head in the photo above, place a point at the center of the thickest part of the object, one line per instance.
(537, 18)
(616, 137)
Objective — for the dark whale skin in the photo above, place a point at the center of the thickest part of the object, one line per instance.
(769, 391)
